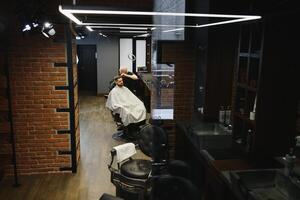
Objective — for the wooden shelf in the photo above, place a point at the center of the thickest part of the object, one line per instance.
(3, 119)
(252, 55)
(5, 137)
(3, 92)
(5, 158)
(246, 87)
(5, 127)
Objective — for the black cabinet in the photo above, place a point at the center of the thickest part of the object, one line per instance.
(247, 76)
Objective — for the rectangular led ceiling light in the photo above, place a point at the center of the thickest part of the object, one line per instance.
(133, 31)
(117, 27)
(70, 11)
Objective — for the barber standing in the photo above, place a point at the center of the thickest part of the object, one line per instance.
(130, 80)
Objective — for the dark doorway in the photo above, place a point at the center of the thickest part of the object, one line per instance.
(87, 68)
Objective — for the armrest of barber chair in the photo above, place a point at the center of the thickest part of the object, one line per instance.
(113, 153)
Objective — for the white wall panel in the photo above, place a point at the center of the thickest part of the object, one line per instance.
(125, 53)
(140, 53)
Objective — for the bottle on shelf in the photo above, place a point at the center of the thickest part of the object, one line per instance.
(252, 113)
(249, 140)
(290, 160)
(222, 115)
(228, 116)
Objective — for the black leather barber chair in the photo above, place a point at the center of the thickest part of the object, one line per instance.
(132, 177)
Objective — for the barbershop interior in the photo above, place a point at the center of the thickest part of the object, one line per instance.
(149, 100)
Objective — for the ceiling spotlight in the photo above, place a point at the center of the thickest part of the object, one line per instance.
(78, 37)
(35, 24)
(47, 25)
(27, 27)
(48, 29)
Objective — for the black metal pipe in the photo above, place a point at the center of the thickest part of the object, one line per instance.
(71, 98)
(12, 135)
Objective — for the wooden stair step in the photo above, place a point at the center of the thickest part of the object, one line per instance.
(4, 127)
(3, 92)
(4, 116)
(3, 81)
(3, 103)
(4, 137)
(5, 159)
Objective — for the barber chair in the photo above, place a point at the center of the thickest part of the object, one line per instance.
(132, 177)
(170, 187)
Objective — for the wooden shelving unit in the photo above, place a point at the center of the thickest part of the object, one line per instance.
(265, 82)
(247, 77)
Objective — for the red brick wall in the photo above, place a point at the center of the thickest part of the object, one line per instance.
(34, 101)
(183, 56)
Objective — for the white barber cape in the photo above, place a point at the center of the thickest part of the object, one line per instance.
(122, 101)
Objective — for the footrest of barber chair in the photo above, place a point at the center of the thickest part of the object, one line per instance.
(118, 135)
(109, 197)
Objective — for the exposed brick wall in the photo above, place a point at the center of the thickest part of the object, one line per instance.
(182, 55)
(34, 101)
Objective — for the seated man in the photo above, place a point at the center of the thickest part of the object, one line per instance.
(123, 102)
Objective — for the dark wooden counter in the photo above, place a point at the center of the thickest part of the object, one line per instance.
(211, 167)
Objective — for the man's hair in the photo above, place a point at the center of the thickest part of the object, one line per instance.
(117, 77)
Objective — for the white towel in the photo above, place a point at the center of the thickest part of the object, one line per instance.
(124, 151)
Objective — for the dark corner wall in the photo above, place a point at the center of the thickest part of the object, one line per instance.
(107, 58)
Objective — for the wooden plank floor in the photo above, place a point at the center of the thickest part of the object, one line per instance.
(92, 178)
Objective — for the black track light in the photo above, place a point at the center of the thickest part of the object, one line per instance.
(48, 29)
